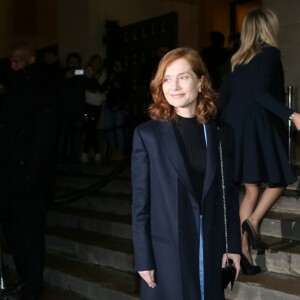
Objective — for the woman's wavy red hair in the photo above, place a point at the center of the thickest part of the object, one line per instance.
(161, 110)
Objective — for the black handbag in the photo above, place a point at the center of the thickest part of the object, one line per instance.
(229, 272)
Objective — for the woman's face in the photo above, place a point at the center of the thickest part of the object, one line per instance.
(96, 64)
(181, 87)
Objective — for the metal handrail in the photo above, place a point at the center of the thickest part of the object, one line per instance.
(290, 93)
(62, 199)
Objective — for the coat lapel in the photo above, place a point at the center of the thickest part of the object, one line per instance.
(212, 156)
(169, 141)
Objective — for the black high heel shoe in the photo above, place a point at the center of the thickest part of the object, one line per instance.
(247, 267)
(255, 241)
(247, 226)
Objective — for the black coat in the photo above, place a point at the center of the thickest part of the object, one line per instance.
(27, 131)
(252, 100)
(72, 104)
(165, 214)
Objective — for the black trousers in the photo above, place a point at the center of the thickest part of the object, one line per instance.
(23, 220)
(90, 127)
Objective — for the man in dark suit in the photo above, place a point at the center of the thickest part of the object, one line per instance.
(27, 129)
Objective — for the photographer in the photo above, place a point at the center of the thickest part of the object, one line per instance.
(71, 111)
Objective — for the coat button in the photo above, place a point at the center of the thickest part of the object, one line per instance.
(21, 162)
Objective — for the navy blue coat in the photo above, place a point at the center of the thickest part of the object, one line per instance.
(165, 213)
(252, 100)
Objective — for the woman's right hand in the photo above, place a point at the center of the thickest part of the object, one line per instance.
(148, 276)
(296, 120)
(89, 72)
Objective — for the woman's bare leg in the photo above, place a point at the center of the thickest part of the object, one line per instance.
(247, 207)
(267, 200)
(249, 201)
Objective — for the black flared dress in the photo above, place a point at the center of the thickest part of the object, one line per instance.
(252, 101)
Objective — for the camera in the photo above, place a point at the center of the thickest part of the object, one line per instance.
(79, 72)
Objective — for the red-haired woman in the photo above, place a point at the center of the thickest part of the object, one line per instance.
(177, 208)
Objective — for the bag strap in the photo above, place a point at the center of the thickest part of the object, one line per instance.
(224, 200)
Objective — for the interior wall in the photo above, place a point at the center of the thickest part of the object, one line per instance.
(31, 20)
(4, 27)
(24, 17)
(80, 25)
(47, 22)
(76, 23)
(221, 17)
(74, 29)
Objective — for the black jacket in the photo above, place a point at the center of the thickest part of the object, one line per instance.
(27, 132)
(72, 96)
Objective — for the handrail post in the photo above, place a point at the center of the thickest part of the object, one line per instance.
(290, 91)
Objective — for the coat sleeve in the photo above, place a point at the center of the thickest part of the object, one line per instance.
(232, 198)
(269, 67)
(141, 205)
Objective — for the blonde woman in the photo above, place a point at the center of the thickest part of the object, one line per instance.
(252, 100)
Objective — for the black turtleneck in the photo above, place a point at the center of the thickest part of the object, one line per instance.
(191, 138)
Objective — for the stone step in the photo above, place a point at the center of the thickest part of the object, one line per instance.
(289, 202)
(111, 199)
(112, 168)
(120, 185)
(94, 221)
(281, 225)
(75, 184)
(276, 223)
(106, 214)
(91, 177)
(287, 250)
(282, 256)
(85, 186)
(52, 293)
(265, 286)
(94, 282)
(91, 247)
(87, 280)
(119, 204)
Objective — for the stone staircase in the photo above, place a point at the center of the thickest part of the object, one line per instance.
(89, 248)
(280, 278)
(89, 240)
